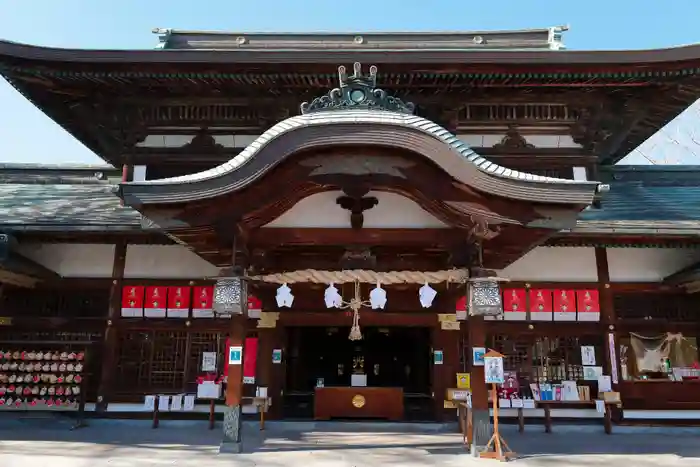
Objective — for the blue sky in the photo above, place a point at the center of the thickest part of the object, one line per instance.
(26, 135)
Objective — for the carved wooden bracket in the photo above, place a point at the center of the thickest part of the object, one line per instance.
(203, 141)
(357, 203)
(513, 140)
(358, 258)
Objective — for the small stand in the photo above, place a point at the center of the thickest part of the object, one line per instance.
(212, 414)
(501, 451)
(80, 421)
(493, 371)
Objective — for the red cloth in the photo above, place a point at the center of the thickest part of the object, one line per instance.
(250, 359)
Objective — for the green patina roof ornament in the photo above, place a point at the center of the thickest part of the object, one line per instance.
(357, 91)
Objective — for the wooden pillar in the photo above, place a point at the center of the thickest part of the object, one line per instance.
(444, 375)
(111, 337)
(480, 392)
(608, 318)
(234, 389)
(264, 368)
(275, 389)
(271, 375)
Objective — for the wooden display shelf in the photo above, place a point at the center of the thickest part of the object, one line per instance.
(358, 402)
(25, 407)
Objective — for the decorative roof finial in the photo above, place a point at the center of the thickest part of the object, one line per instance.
(357, 91)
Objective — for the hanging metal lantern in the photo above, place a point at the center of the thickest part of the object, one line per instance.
(485, 296)
(230, 296)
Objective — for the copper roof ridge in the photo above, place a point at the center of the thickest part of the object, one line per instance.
(438, 32)
(532, 57)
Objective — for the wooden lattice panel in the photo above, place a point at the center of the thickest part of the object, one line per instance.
(199, 343)
(167, 369)
(517, 351)
(162, 361)
(133, 361)
(558, 359)
(672, 308)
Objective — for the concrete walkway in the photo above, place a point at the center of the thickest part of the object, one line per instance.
(51, 443)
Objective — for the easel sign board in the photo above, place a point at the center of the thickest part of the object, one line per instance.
(494, 374)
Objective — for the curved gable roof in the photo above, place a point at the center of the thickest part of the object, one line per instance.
(360, 127)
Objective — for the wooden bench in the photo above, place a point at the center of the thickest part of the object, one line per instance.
(547, 406)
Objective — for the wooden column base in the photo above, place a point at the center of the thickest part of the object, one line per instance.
(231, 442)
(481, 430)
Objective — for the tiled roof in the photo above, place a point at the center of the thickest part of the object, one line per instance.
(28, 206)
(648, 197)
(641, 199)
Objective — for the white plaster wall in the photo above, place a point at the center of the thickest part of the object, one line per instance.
(472, 139)
(176, 141)
(648, 264)
(72, 260)
(165, 262)
(538, 141)
(321, 211)
(554, 264)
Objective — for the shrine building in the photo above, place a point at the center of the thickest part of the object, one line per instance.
(379, 198)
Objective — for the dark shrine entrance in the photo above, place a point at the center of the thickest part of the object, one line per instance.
(390, 357)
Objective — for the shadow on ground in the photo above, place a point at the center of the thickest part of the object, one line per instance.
(352, 443)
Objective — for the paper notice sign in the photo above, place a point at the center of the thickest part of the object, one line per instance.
(208, 361)
(149, 403)
(591, 373)
(163, 403)
(189, 402)
(600, 406)
(604, 383)
(449, 325)
(208, 390)
(588, 355)
(176, 403)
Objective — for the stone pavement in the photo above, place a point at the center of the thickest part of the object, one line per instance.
(51, 443)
